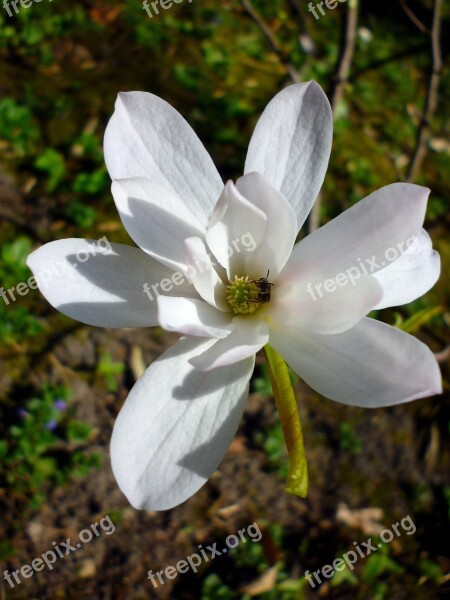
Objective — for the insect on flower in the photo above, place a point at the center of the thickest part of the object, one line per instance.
(264, 289)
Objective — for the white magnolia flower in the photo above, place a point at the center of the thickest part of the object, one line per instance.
(182, 414)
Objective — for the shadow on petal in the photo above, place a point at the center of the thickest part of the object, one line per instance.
(158, 231)
(124, 277)
(195, 386)
(208, 456)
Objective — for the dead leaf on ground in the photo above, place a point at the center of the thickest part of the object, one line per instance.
(265, 583)
(366, 519)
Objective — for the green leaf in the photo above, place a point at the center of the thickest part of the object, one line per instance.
(421, 318)
(377, 565)
(91, 183)
(78, 432)
(81, 214)
(430, 569)
(7, 550)
(52, 163)
(344, 576)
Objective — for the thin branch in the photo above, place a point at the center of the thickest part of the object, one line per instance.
(340, 80)
(346, 57)
(387, 60)
(413, 18)
(443, 355)
(299, 11)
(432, 96)
(272, 39)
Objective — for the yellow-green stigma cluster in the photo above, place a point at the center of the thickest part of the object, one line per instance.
(243, 295)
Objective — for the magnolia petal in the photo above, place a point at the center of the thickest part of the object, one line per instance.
(203, 275)
(371, 365)
(175, 427)
(156, 219)
(363, 239)
(410, 276)
(146, 137)
(281, 229)
(248, 336)
(107, 286)
(193, 317)
(327, 312)
(291, 145)
(234, 219)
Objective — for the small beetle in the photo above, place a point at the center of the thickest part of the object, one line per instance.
(264, 289)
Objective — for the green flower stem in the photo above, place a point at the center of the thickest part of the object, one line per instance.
(297, 481)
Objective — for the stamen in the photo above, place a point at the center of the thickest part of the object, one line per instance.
(243, 295)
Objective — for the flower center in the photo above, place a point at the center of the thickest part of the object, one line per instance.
(244, 295)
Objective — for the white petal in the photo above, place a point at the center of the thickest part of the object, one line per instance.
(176, 426)
(103, 285)
(371, 365)
(320, 311)
(248, 336)
(281, 229)
(146, 137)
(364, 238)
(203, 275)
(234, 220)
(193, 317)
(291, 145)
(410, 276)
(156, 219)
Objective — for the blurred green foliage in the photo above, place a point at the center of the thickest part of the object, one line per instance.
(17, 127)
(348, 440)
(44, 447)
(52, 163)
(13, 256)
(17, 323)
(273, 443)
(251, 558)
(80, 214)
(109, 370)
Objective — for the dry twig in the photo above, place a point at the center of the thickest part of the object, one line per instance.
(432, 95)
(272, 39)
(340, 80)
(413, 18)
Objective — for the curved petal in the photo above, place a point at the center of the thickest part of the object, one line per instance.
(291, 145)
(410, 276)
(248, 336)
(156, 219)
(281, 229)
(203, 275)
(329, 308)
(371, 365)
(109, 286)
(193, 317)
(175, 427)
(363, 239)
(146, 137)
(234, 220)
